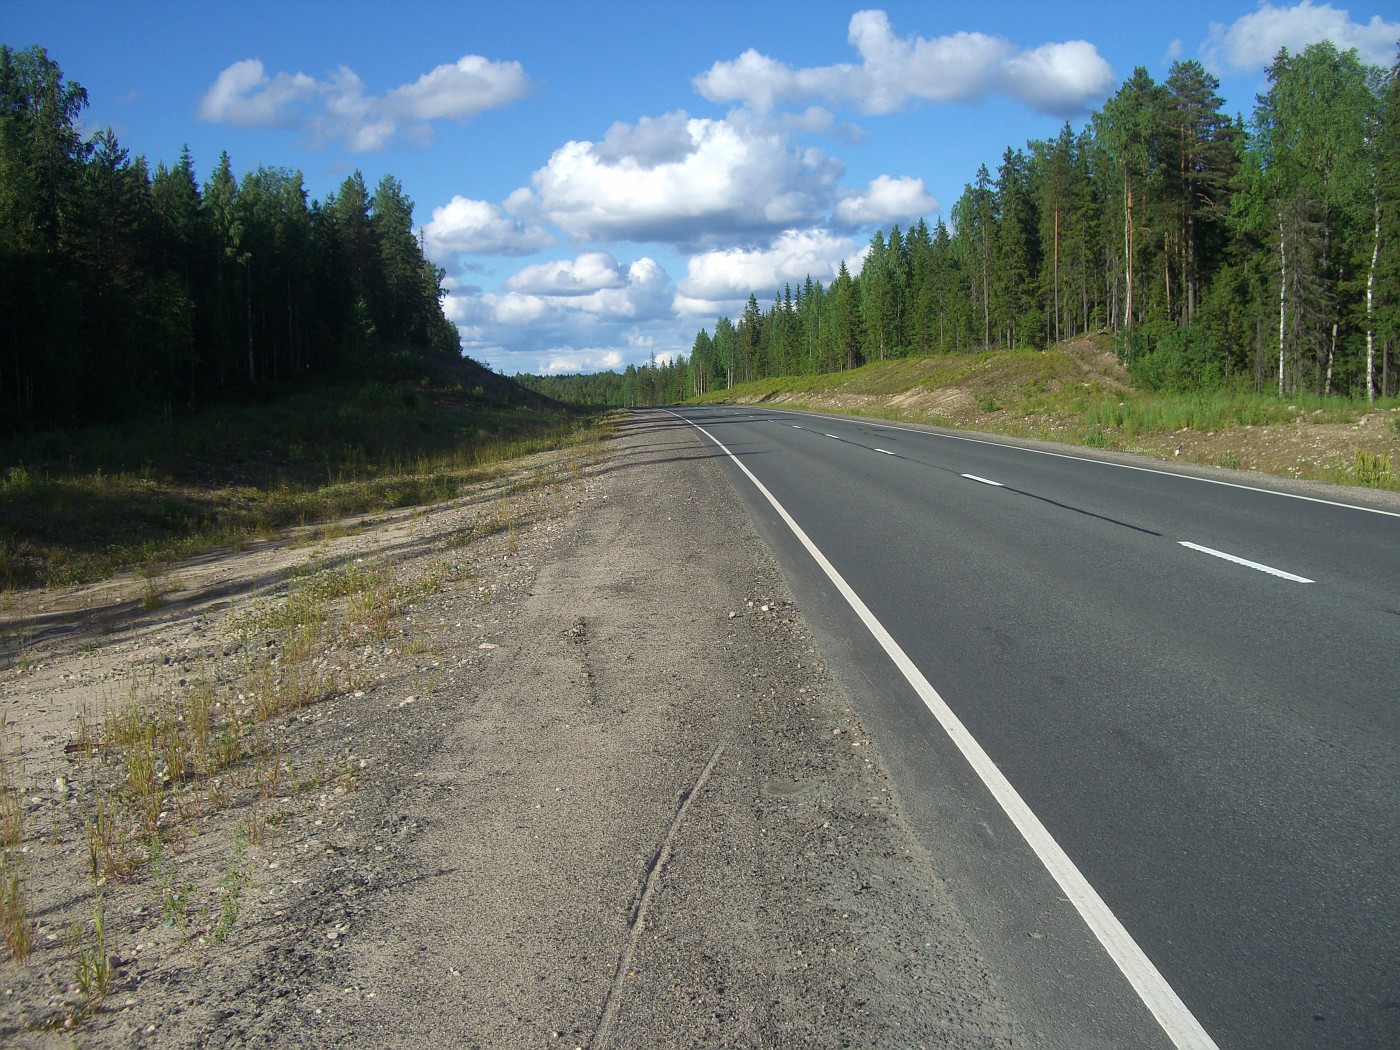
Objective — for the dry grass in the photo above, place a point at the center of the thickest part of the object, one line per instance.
(177, 763)
(16, 924)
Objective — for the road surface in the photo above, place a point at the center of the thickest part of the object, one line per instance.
(1192, 687)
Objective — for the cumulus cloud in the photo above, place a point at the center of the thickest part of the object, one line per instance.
(243, 94)
(1061, 79)
(1252, 41)
(683, 180)
(571, 362)
(729, 275)
(471, 227)
(567, 296)
(338, 108)
(886, 200)
(543, 314)
(590, 272)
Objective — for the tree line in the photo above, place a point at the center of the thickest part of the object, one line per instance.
(654, 383)
(1216, 251)
(124, 290)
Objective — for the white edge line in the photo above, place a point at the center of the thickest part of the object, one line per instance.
(984, 481)
(1157, 995)
(1110, 463)
(1245, 561)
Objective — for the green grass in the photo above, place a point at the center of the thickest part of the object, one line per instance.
(1030, 371)
(78, 505)
(1061, 394)
(1162, 413)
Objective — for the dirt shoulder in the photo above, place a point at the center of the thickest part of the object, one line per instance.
(583, 780)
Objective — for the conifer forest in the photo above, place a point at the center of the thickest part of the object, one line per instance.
(1258, 250)
(125, 290)
(1261, 251)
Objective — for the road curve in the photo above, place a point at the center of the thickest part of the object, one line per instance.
(1191, 685)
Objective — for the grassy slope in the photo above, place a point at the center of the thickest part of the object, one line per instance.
(1079, 393)
(78, 505)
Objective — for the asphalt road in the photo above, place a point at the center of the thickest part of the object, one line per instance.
(1192, 685)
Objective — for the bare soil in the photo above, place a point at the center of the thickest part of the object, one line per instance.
(590, 784)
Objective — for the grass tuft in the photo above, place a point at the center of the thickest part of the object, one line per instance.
(1372, 469)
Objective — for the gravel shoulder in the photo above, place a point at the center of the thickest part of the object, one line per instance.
(590, 784)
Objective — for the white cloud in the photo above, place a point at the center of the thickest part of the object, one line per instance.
(1057, 78)
(515, 309)
(460, 90)
(471, 227)
(887, 200)
(244, 95)
(543, 315)
(588, 273)
(337, 108)
(569, 362)
(683, 180)
(1062, 79)
(646, 294)
(1252, 41)
(590, 290)
(724, 276)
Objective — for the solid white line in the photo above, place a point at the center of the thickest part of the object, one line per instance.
(1166, 1006)
(1110, 463)
(885, 451)
(1245, 561)
(984, 481)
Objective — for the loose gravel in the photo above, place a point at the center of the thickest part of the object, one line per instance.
(590, 785)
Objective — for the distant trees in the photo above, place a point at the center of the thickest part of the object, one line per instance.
(653, 383)
(123, 289)
(1216, 249)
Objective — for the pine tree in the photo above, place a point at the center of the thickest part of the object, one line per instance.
(1129, 131)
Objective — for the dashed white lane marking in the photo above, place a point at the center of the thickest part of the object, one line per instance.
(794, 426)
(1121, 466)
(1175, 1017)
(834, 437)
(1245, 561)
(885, 451)
(984, 481)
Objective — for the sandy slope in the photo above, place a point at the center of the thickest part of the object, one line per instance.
(591, 786)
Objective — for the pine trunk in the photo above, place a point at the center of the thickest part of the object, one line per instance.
(1282, 284)
(1127, 320)
(1371, 306)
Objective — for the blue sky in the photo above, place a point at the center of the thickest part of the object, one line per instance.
(600, 180)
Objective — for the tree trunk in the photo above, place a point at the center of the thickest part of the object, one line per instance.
(1167, 272)
(1282, 284)
(1192, 279)
(1057, 271)
(1127, 321)
(248, 318)
(1331, 360)
(1371, 304)
(986, 295)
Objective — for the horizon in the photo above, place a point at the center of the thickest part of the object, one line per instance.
(600, 191)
